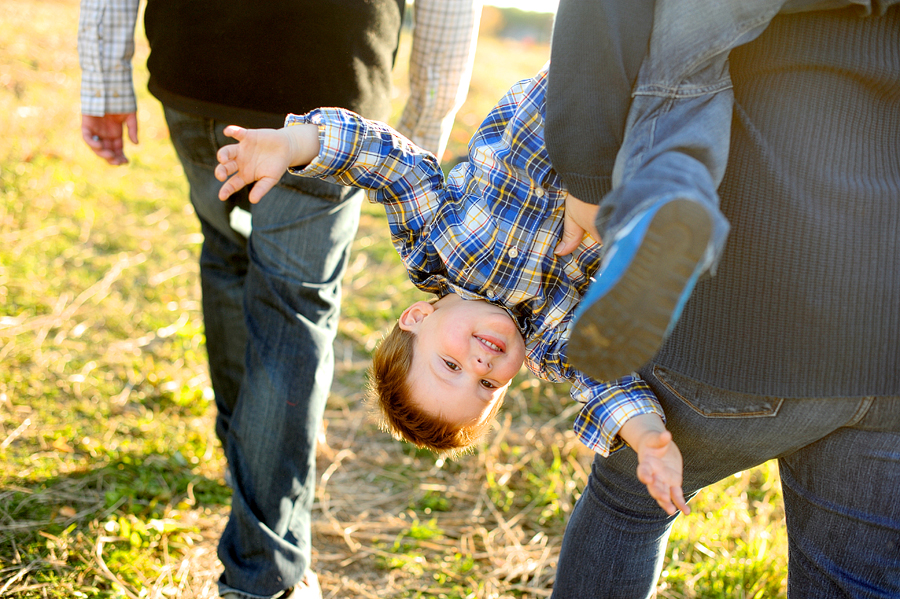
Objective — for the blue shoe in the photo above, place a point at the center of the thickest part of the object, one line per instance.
(645, 279)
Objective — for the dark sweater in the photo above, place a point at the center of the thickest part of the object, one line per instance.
(250, 62)
(806, 301)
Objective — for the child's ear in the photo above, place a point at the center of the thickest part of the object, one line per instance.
(414, 315)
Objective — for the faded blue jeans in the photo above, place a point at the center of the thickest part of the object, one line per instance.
(270, 304)
(839, 460)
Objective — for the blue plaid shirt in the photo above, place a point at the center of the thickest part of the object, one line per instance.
(487, 232)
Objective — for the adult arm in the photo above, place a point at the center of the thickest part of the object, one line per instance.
(588, 100)
(105, 50)
(440, 67)
(596, 53)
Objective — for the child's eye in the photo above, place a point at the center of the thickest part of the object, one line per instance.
(451, 365)
(487, 384)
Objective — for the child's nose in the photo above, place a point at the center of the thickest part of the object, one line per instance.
(482, 365)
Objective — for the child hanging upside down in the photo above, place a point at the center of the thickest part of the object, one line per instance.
(486, 242)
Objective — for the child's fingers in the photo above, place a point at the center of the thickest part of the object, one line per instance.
(230, 186)
(669, 497)
(662, 498)
(261, 188)
(657, 488)
(225, 191)
(222, 171)
(227, 153)
(660, 440)
(645, 474)
(678, 500)
(235, 132)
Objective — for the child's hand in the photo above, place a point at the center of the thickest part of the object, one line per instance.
(660, 468)
(578, 222)
(261, 155)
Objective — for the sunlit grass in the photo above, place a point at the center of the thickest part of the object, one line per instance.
(110, 473)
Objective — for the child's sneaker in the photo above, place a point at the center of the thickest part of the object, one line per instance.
(646, 276)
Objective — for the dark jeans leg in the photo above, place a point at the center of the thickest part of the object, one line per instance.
(271, 305)
(842, 507)
(841, 471)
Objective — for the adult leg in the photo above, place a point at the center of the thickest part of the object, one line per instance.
(289, 279)
(615, 541)
(616, 537)
(843, 510)
(298, 252)
(223, 262)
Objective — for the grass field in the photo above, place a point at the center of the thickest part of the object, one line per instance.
(110, 473)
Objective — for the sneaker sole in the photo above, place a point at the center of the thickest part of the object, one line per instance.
(625, 328)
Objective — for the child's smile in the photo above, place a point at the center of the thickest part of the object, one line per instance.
(466, 354)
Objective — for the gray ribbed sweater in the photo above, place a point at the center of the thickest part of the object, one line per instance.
(806, 300)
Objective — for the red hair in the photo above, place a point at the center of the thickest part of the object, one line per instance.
(400, 414)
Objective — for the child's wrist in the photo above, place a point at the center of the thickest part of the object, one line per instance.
(303, 143)
(637, 428)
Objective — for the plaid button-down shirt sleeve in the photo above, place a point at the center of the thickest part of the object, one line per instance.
(440, 67)
(105, 49)
(607, 406)
(404, 178)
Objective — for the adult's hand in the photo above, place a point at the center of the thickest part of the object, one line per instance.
(103, 135)
(578, 222)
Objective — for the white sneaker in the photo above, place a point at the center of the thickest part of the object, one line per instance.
(308, 588)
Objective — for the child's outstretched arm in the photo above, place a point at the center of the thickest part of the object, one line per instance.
(263, 155)
(659, 460)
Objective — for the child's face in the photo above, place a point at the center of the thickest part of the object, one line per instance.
(466, 354)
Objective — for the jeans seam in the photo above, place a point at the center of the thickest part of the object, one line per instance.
(681, 92)
(211, 135)
(761, 413)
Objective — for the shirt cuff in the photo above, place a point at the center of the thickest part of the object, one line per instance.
(342, 134)
(107, 93)
(601, 418)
